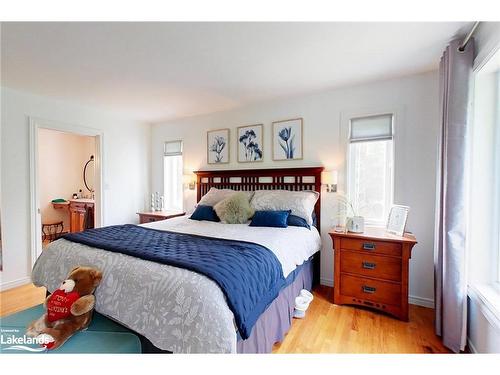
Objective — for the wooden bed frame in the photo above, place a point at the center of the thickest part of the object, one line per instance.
(294, 179)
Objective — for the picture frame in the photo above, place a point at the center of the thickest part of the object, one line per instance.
(287, 139)
(218, 145)
(250, 143)
(396, 223)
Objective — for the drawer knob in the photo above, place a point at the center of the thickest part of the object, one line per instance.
(369, 266)
(368, 289)
(368, 246)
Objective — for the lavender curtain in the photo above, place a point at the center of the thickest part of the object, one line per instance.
(451, 212)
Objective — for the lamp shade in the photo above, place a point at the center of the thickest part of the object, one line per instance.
(329, 177)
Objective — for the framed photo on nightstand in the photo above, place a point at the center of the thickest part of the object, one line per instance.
(397, 220)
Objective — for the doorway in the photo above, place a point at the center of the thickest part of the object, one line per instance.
(66, 181)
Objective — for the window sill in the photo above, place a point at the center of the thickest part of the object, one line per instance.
(487, 296)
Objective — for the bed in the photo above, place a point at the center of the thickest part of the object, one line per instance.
(182, 311)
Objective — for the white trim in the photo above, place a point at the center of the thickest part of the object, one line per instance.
(471, 346)
(15, 283)
(421, 301)
(34, 125)
(490, 312)
(325, 281)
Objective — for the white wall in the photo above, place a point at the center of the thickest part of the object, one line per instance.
(415, 101)
(126, 168)
(61, 159)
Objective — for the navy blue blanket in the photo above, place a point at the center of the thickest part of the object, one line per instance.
(249, 275)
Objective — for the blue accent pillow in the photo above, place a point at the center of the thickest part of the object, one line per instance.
(276, 219)
(203, 212)
(297, 221)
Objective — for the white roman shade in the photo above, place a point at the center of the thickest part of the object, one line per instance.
(173, 148)
(371, 128)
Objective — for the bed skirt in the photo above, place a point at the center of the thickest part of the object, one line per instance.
(272, 325)
(276, 320)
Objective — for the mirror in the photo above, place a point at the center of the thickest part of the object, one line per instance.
(88, 174)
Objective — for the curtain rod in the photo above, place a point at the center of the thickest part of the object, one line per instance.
(468, 36)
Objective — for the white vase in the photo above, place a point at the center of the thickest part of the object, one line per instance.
(356, 224)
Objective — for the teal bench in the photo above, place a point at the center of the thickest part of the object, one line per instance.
(102, 336)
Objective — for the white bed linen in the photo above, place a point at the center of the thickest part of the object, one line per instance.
(292, 245)
(176, 309)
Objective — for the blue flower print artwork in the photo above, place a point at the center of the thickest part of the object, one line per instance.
(250, 143)
(286, 142)
(287, 139)
(218, 146)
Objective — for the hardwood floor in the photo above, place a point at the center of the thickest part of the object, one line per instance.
(327, 328)
(20, 298)
(330, 328)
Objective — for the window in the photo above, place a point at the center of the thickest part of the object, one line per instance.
(483, 234)
(497, 167)
(370, 167)
(172, 175)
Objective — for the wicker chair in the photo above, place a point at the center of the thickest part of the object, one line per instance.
(52, 231)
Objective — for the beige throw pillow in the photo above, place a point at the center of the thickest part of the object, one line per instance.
(234, 209)
(214, 196)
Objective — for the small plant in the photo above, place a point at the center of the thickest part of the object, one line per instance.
(346, 205)
(344, 209)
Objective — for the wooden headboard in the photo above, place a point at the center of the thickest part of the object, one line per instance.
(295, 179)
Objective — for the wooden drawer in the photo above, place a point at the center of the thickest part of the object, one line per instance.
(372, 247)
(77, 206)
(387, 268)
(371, 290)
(150, 219)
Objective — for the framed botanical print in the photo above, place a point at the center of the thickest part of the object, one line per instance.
(287, 139)
(218, 146)
(250, 143)
(398, 216)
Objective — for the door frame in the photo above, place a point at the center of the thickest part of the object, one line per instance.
(36, 220)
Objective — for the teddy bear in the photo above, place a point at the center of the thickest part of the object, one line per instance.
(69, 308)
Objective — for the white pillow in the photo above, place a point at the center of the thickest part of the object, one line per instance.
(301, 203)
(215, 195)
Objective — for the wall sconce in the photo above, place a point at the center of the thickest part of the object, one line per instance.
(330, 179)
(190, 181)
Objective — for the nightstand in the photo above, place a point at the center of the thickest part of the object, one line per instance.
(371, 269)
(152, 216)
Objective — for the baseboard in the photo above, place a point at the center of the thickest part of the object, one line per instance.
(421, 301)
(14, 283)
(326, 282)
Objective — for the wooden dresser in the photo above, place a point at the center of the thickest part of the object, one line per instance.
(77, 211)
(371, 269)
(151, 216)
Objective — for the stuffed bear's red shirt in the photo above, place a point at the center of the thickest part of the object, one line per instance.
(59, 304)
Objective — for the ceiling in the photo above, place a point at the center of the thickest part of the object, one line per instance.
(160, 71)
